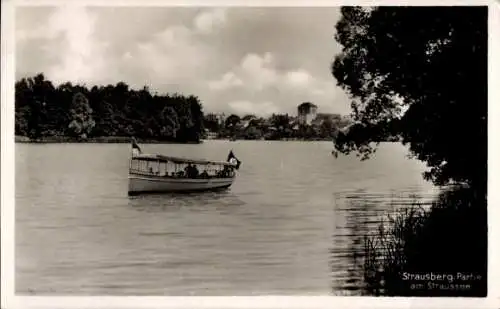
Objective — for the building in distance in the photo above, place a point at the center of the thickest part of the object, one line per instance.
(306, 113)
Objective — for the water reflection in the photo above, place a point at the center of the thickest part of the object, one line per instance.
(219, 200)
(358, 214)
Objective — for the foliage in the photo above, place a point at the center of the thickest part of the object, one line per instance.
(248, 117)
(253, 133)
(232, 121)
(327, 129)
(275, 127)
(419, 74)
(78, 112)
(212, 125)
(81, 117)
(449, 238)
(43, 110)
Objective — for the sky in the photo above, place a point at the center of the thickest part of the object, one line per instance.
(243, 60)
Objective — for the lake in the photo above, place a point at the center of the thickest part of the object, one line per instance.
(292, 223)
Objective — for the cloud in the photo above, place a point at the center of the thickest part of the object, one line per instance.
(254, 71)
(259, 76)
(172, 36)
(259, 72)
(77, 48)
(299, 77)
(170, 56)
(234, 59)
(208, 21)
(175, 55)
(227, 80)
(255, 108)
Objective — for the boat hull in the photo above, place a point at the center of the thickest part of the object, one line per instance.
(152, 184)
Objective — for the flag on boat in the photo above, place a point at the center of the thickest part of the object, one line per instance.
(231, 158)
(136, 150)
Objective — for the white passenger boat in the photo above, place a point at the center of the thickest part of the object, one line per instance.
(155, 173)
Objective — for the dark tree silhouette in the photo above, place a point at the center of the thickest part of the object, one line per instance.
(282, 125)
(248, 117)
(327, 128)
(114, 110)
(419, 74)
(232, 121)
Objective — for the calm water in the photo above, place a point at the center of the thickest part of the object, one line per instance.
(292, 223)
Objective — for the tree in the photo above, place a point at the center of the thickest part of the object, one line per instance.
(113, 110)
(252, 133)
(196, 112)
(106, 125)
(248, 117)
(327, 128)
(81, 117)
(279, 121)
(232, 121)
(259, 123)
(170, 123)
(211, 124)
(21, 125)
(36, 117)
(282, 124)
(420, 74)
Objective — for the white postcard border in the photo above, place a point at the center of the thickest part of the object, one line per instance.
(9, 300)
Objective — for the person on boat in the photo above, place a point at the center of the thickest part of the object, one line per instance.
(204, 174)
(227, 171)
(188, 170)
(136, 150)
(195, 172)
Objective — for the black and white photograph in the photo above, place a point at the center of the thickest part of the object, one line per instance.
(250, 151)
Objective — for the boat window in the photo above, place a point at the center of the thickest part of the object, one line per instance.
(135, 165)
(178, 169)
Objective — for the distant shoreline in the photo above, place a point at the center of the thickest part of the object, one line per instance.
(125, 140)
(91, 140)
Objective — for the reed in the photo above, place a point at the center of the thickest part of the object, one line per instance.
(447, 238)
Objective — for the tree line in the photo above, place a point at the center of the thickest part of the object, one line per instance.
(45, 111)
(76, 111)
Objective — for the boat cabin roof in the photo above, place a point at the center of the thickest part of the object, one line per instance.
(177, 160)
